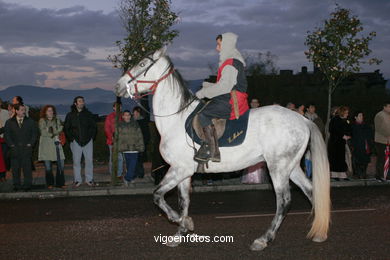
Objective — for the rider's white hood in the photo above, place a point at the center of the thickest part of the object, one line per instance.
(228, 48)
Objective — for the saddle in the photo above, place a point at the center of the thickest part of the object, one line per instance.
(218, 123)
(229, 132)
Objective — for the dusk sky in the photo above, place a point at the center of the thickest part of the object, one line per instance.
(65, 43)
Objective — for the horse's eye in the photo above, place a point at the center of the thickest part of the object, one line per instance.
(142, 64)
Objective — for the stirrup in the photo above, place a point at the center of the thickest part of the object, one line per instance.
(216, 158)
(203, 154)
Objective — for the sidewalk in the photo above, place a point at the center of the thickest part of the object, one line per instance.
(141, 186)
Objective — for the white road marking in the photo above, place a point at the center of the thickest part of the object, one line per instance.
(292, 213)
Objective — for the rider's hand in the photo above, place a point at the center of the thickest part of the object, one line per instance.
(199, 94)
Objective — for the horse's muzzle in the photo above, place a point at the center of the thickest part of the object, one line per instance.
(120, 91)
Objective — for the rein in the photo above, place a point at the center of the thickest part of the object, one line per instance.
(153, 82)
(177, 112)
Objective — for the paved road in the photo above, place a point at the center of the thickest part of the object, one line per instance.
(123, 227)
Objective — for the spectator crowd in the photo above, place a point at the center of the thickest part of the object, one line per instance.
(350, 141)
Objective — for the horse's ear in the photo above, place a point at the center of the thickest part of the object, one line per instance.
(159, 53)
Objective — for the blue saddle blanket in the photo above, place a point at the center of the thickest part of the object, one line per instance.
(235, 130)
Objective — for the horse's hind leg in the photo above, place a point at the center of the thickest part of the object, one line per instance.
(300, 179)
(283, 200)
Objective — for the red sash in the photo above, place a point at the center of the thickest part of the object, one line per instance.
(238, 100)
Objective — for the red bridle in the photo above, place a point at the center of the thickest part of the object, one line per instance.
(154, 83)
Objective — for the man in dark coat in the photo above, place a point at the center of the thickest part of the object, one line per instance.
(20, 134)
(340, 132)
(362, 144)
(80, 130)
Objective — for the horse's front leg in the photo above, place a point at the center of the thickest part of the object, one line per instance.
(170, 181)
(186, 223)
(183, 184)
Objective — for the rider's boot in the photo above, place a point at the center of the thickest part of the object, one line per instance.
(209, 149)
(214, 148)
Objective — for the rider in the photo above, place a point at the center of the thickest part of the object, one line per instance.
(228, 98)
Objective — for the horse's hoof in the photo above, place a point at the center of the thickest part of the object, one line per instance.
(319, 239)
(172, 244)
(188, 223)
(258, 245)
(175, 241)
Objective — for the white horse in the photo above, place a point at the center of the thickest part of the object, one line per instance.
(275, 135)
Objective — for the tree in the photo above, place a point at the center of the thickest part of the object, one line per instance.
(261, 64)
(148, 27)
(337, 49)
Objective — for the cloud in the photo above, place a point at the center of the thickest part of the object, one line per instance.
(34, 41)
(44, 27)
(277, 26)
(68, 46)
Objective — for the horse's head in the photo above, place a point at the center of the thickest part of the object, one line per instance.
(143, 77)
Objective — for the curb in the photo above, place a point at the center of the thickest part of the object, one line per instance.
(114, 191)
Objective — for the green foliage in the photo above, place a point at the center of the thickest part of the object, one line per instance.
(147, 24)
(148, 27)
(338, 48)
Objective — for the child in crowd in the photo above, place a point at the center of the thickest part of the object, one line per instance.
(130, 144)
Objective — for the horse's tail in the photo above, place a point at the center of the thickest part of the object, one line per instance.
(321, 186)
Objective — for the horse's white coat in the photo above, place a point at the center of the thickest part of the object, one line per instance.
(275, 134)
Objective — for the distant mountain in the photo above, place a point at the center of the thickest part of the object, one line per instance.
(98, 101)
(56, 96)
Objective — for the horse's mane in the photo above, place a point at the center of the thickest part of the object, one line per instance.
(185, 94)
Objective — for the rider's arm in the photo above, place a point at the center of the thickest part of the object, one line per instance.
(207, 84)
(225, 84)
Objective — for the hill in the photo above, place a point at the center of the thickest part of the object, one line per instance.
(56, 96)
(98, 101)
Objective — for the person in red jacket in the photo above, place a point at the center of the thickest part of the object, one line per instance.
(228, 98)
(3, 168)
(109, 130)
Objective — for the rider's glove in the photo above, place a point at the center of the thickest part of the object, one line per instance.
(199, 94)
